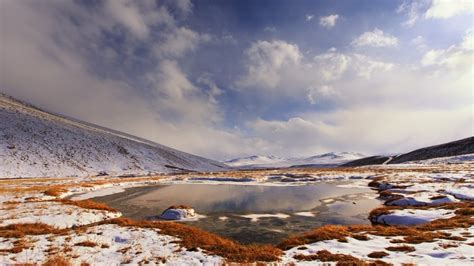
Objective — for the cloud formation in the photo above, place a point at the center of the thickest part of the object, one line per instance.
(433, 9)
(212, 85)
(375, 38)
(328, 21)
(441, 9)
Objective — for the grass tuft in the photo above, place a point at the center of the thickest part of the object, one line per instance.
(57, 261)
(20, 230)
(86, 244)
(55, 191)
(378, 254)
(88, 204)
(403, 248)
(326, 232)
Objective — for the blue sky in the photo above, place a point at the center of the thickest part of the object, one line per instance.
(225, 79)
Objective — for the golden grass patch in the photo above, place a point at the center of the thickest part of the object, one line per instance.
(57, 260)
(193, 238)
(88, 204)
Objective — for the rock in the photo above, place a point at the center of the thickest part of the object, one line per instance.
(179, 213)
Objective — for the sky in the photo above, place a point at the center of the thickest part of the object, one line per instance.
(226, 79)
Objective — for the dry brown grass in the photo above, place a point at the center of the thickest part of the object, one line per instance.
(20, 230)
(86, 244)
(18, 246)
(428, 232)
(88, 204)
(193, 238)
(55, 191)
(361, 237)
(340, 259)
(57, 260)
(326, 232)
(377, 254)
(403, 248)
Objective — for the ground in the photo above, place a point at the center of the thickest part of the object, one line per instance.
(427, 218)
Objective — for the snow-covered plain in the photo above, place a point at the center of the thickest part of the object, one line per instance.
(24, 201)
(34, 143)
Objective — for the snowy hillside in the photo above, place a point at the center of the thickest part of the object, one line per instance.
(327, 159)
(451, 152)
(34, 143)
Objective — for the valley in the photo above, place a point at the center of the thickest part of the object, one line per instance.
(424, 212)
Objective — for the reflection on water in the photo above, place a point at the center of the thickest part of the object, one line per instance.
(330, 204)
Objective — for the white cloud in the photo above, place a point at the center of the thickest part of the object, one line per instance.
(179, 42)
(419, 42)
(443, 9)
(137, 17)
(371, 129)
(57, 75)
(129, 16)
(280, 66)
(309, 17)
(375, 38)
(320, 93)
(185, 6)
(266, 60)
(331, 65)
(366, 66)
(413, 9)
(457, 58)
(433, 9)
(468, 40)
(328, 21)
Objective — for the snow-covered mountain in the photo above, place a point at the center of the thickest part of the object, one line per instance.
(327, 159)
(35, 143)
(254, 160)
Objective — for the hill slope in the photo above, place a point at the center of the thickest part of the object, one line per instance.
(459, 147)
(454, 148)
(35, 143)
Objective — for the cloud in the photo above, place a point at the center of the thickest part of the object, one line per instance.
(385, 129)
(435, 9)
(60, 73)
(413, 9)
(316, 94)
(419, 42)
(375, 38)
(442, 9)
(309, 17)
(328, 21)
(128, 65)
(366, 94)
(180, 41)
(265, 62)
(331, 65)
(455, 61)
(185, 6)
(128, 15)
(279, 66)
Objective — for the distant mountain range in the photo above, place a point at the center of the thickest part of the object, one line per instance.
(453, 148)
(36, 143)
(322, 160)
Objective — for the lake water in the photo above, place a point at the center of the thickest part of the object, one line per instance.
(226, 207)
